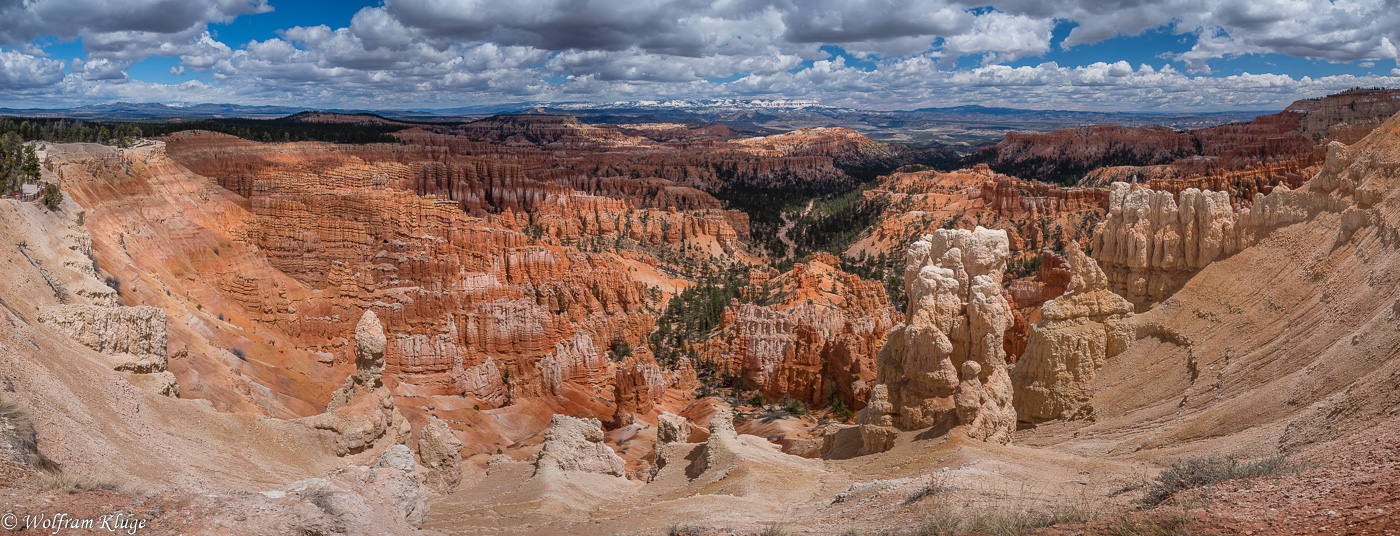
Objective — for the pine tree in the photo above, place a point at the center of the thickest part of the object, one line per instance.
(11, 158)
(52, 196)
(30, 168)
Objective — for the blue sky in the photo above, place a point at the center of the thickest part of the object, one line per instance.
(879, 54)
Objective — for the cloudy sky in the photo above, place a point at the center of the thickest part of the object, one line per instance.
(878, 54)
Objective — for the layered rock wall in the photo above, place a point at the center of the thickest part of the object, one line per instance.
(137, 333)
(812, 334)
(468, 301)
(1020, 199)
(638, 386)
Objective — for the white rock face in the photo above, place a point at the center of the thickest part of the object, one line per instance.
(133, 339)
(1153, 241)
(671, 428)
(1079, 331)
(721, 449)
(362, 496)
(441, 453)
(956, 315)
(133, 336)
(876, 422)
(394, 477)
(573, 444)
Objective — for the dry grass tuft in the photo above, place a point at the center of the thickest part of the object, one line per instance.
(1000, 521)
(19, 430)
(75, 483)
(1202, 472)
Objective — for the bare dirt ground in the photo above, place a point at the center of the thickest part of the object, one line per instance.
(1356, 491)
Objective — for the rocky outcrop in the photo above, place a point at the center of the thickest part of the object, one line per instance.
(1064, 156)
(133, 336)
(133, 339)
(876, 422)
(1153, 241)
(395, 477)
(957, 315)
(812, 334)
(362, 411)
(1021, 199)
(723, 445)
(573, 444)
(1078, 333)
(1348, 116)
(363, 496)
(369, 350)
(483, 382)
(780, 350)
(670, 430)
(638, 386)
(440, 452)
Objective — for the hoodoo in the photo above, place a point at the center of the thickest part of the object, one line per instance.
(1079, 330)
(946, 368)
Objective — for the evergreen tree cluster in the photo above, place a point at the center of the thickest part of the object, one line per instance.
(124, 133)
(71, 131)
(18, 163)
(285, 129)
(1024, 265)
(693, 313)
(835, 222)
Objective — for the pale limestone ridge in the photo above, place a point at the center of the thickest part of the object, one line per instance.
(134, 336)
(133, 339)
(671, 430)
(1152, 241)
(366, 494)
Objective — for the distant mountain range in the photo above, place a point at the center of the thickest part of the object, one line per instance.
(960, 125)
